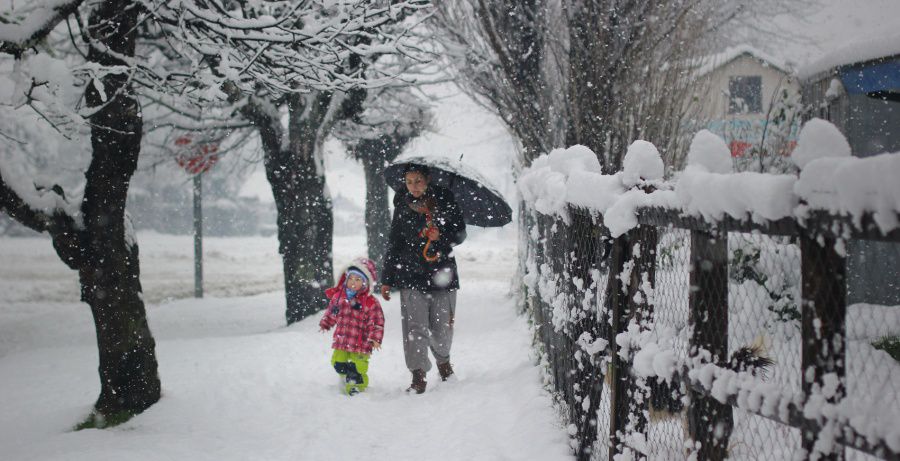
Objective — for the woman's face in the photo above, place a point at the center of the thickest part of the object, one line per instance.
(416, 183)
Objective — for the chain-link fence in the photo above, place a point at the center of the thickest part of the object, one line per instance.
(690, 339)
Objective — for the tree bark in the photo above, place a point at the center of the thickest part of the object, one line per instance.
(593, 74)
(517, 38)
(109, 273)
(378, 214)
(305, 223)
(101, 247)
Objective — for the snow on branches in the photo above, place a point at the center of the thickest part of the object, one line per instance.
(283, 46)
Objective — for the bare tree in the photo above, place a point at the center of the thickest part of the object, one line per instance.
(499, 52)
(630, 66)
(595, 72)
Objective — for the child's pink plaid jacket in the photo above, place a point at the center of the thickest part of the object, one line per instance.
(359, 320)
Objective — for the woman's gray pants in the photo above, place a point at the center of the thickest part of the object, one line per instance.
(427, 324)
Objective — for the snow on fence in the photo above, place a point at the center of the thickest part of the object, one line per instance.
(652, 311)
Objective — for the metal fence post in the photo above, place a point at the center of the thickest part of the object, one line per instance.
(824, 308)
(709, 421)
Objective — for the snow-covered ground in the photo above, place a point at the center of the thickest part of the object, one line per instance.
(238, 385)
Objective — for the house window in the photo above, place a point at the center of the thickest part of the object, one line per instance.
(745, 95)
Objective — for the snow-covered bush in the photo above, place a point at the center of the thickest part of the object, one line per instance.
(775, 268)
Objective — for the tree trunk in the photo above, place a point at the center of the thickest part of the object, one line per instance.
(304, 235)
(516, 34)
(297, 178)
(110, 273)
(378, 213)
(590, 84)
(305, 222)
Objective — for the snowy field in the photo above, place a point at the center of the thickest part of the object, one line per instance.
(238, 385)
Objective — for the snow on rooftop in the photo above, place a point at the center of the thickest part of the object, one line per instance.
(714, 61)
(857, 51)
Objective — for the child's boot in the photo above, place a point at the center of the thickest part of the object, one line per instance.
(418, 382)
(355, 382)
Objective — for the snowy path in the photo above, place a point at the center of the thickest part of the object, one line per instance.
(239, 386)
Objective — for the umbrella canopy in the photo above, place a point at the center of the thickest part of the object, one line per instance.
(480, 202)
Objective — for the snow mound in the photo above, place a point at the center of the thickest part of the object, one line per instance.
(854, 186)
(739, 195)
(830, 179)
(573, 159)
(710, 151)
(818, 139)
(642, 164)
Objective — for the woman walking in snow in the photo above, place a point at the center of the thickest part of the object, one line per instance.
(359, 323)
(427, 224)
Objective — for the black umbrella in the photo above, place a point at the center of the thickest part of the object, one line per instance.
(480, 203)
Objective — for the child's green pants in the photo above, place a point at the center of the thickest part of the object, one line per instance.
(353, 368)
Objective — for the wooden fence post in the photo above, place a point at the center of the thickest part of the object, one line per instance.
(585, 240)
(710, 422)
(637, 247)
(618, 306)
(823, 311)
(641, 283)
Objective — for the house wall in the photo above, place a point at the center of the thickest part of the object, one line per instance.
(747, 132)
(715, 100)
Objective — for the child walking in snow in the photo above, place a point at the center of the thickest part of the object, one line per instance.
(359, 323)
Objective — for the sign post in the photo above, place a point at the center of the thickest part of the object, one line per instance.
(197, 159)
(198, 236)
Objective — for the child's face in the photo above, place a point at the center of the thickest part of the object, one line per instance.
(416, 183)
(354, 282)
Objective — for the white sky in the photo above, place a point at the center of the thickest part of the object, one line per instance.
(835, 24)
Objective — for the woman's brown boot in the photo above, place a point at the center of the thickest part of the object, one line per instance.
(418, 382)
(445, 370)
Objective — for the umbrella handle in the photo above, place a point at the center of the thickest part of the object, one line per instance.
(430, 259)
(429, 223)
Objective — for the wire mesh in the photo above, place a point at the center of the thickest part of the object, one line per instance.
(732, 299)
(764, 324)
(873, 355)
(667, 420)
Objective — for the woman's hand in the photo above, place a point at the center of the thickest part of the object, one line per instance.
(433, 233)
(386, 292)
(375, 345)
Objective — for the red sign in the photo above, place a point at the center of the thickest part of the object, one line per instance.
(738, 148)
(195, 158)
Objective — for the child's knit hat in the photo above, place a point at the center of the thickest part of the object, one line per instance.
(363, 267)
(358, 273)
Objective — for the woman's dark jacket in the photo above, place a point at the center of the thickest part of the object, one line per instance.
(404, 265)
